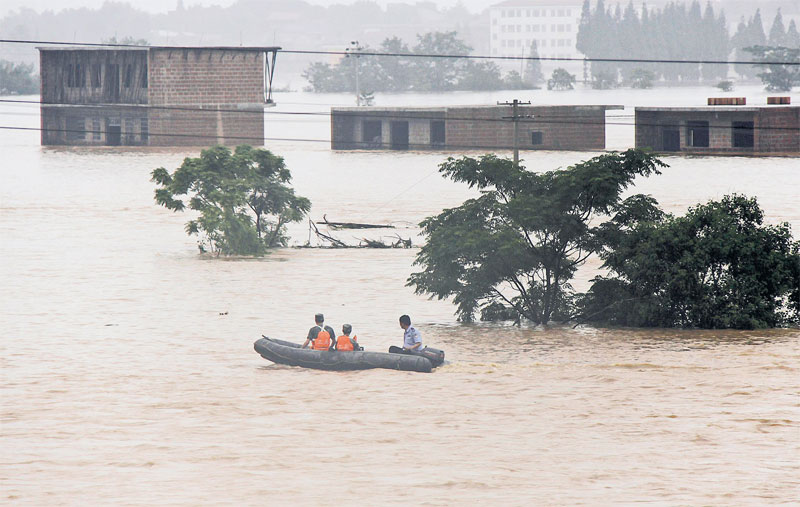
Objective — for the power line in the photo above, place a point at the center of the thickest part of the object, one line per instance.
(364, 144)
(539, 118)
(431, 55)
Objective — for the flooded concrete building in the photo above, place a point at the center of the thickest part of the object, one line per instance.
(469, 127)
(721, 129)
(156, 96)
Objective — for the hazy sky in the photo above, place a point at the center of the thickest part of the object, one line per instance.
(166, 5)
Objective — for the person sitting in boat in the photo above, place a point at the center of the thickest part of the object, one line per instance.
(412, 340)
(320, 336)
(345, 342)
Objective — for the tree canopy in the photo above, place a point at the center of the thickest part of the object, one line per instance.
(718, 266)
(402, 73)
(243, 199)
(18, 78)
(514, 249)
(777, 78)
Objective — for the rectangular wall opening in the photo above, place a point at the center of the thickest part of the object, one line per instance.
(372, 133)
(537, 137)
(671, 140)
(399, 131)
(742, 134)
(113, 135)
(437, 133)
(697, 134)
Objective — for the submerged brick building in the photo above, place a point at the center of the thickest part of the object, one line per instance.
(720, 130)
(157, 96)
(469, 127)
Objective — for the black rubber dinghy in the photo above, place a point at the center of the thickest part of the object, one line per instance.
(283, 352)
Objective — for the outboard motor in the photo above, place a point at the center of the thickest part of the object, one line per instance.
(435, 356)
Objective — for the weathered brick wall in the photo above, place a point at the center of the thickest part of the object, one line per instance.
(778, 130)
(648, 134)
(205, 76)
(171, 127)
(93, 76)
(89, 126)
(562, 127)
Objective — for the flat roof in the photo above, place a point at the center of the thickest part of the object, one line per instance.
(104, 47)
(711, 109)
(436, 109)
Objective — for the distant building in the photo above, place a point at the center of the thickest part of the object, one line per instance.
(156, 96)
(553, 24)
(469, 127)
(720, 130)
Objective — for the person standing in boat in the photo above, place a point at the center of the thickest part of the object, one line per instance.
(345, 342)
(320, 336)
(412, 340)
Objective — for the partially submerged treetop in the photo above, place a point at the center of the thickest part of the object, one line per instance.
(515, 248)
(242, 197)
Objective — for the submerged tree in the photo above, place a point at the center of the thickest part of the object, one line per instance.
(18, 78)
(514, 249)
(718, 266)
(561, 80)
(778, 77)
(243, 199)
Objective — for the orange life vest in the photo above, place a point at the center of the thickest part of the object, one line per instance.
(322, 341)
(343, 343)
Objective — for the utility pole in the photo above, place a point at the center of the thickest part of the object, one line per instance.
(515, 117)
(355, 50)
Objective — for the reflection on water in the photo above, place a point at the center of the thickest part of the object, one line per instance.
(128, 374)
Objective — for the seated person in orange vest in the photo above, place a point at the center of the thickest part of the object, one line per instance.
(344, 342)
(320, 336)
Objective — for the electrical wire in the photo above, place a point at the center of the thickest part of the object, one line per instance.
(537, 119)
(432, 55)
(358, 144)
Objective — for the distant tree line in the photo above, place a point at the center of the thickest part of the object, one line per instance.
(399, 74)
(18, 79)
(673, 33)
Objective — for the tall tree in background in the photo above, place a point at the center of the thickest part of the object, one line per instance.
(777, 34)
(394, 72)
(437, 74)
(533, 68)
(792, 36)
(777, 78)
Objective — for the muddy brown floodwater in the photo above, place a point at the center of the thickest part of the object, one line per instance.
(127, 373)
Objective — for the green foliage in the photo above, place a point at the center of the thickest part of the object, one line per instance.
(399, 73)
(126, 40)
(642, 78)
(561, 80)
(678, 31)
(533, 68)
(777, 78)
(242, 198)
(604, 80)
(18, 78)
(514, 249)
(718, 266)
(725, 85)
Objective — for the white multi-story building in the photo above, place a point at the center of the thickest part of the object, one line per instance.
(553, 24)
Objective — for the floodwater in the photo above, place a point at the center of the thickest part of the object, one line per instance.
(127, 373)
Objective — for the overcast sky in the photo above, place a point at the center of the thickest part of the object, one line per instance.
(166, 5)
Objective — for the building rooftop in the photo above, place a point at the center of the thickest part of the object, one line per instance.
(101, 47)
(538, 3)
(711, 109)
(367, 109)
